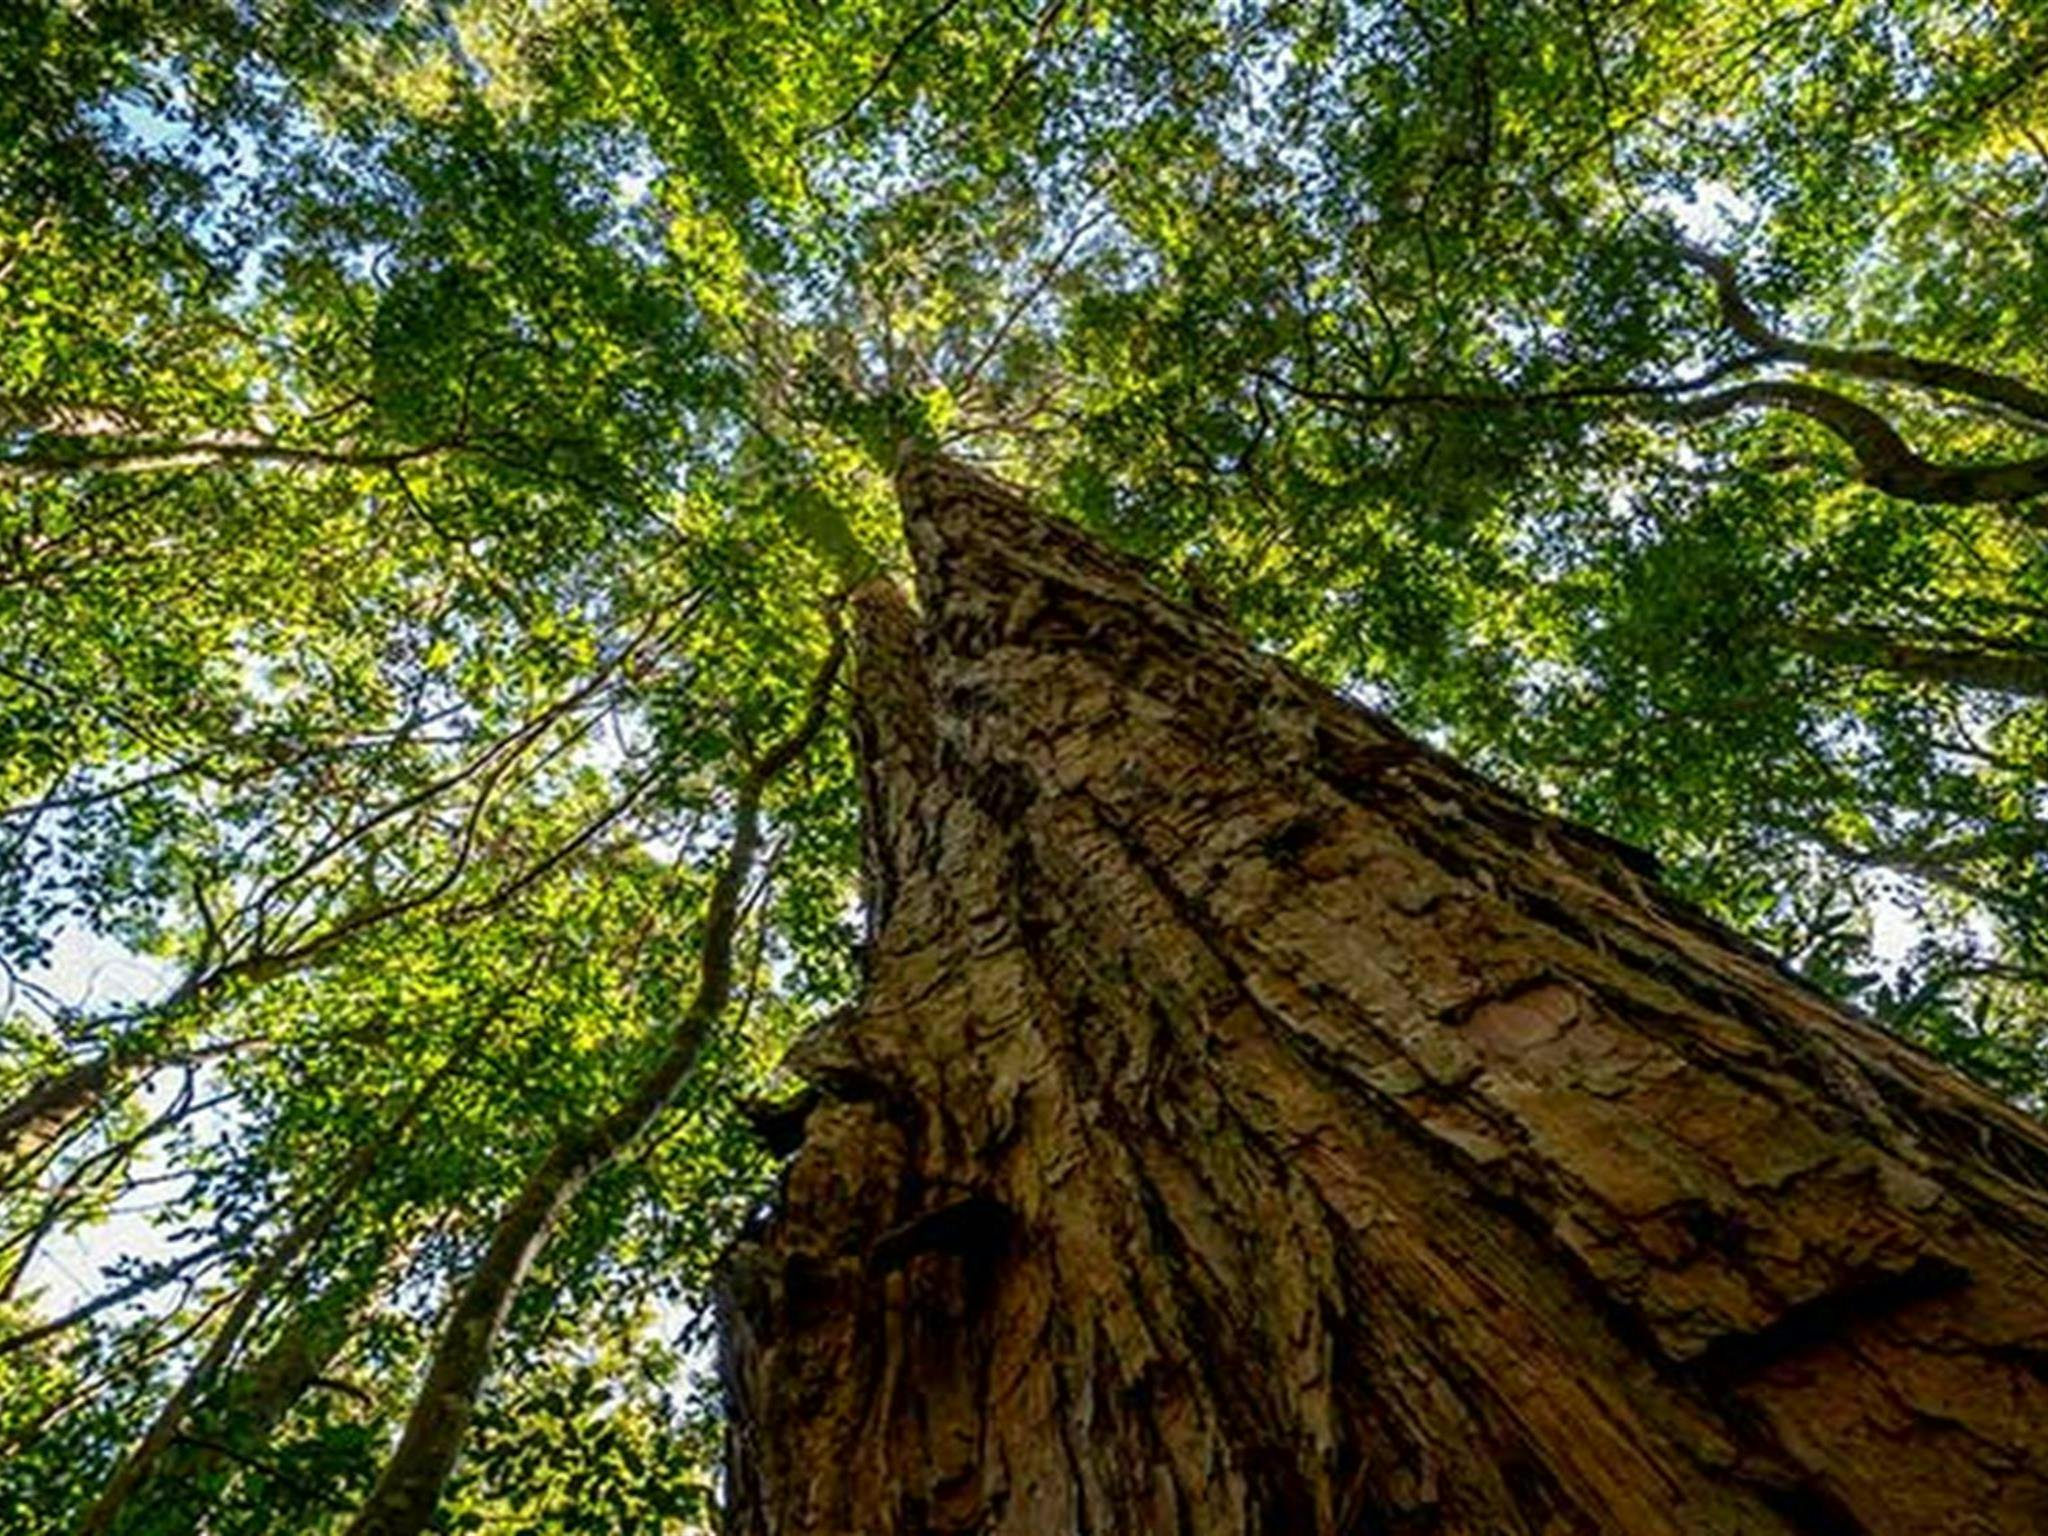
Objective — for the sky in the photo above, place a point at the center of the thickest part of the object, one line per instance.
(95, 974)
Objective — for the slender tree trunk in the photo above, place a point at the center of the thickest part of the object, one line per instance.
(1256, 1123)
(48, 1106)
(212, 1448)
(112, 1509)
(117, 1506)
(409, 1488)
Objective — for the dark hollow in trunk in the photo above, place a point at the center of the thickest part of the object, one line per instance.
(1255, 1122)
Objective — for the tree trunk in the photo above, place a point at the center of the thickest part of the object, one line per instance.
(117, 1506)
(236, 1431)
(139, 1466)
(47, 1108)
(1256, 1123)
(408, 1490)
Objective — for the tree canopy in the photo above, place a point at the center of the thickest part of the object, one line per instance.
(437, 440)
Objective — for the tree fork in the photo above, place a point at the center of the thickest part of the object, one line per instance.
(1255, 1122)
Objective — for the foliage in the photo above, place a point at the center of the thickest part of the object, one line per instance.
(429, 434)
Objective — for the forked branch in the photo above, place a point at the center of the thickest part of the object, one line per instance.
(1884, 459)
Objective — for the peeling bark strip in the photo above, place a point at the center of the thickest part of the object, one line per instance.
(1256, 1123)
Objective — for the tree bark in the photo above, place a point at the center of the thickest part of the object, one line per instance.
(47, 1107)
(1255, 1123)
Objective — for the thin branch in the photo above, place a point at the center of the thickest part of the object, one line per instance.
(1984, 662)
(1506, 400)
(149, 1279)
(924, 25)
(1884, 460)
(1878, 363)
(207, 452)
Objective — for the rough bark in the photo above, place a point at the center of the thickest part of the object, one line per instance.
(1255, 1123)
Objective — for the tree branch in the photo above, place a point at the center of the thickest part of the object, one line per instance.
(1883, 459)
(904, 44)
(205, 452)
(1876, 363)
(1872, 648)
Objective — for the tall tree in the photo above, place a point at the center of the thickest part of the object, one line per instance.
(1254, 1122)
(427, 434)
